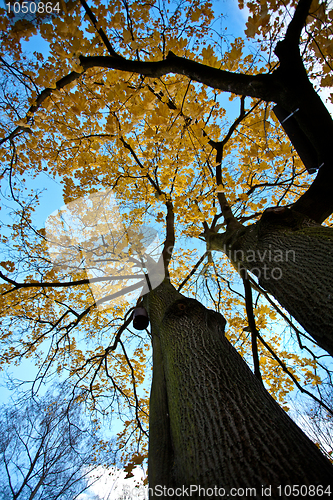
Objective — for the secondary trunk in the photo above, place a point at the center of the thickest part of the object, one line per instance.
(212, 424)
(292, 257)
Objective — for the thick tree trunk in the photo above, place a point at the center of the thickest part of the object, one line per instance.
(292, 257)
(212, 424)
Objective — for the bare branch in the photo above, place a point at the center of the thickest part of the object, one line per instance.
(47, 284)
(252, 324)
(285, 369)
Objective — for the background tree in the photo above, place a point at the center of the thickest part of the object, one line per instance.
(47, 448)
(316, 423)
(116, 104)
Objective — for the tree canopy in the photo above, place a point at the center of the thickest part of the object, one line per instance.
(134, 99)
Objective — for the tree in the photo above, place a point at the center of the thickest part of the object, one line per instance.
(46, 448)
(224, 427)
(122, 103)
(317, 424)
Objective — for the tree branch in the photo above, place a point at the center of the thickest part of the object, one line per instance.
(170, 237)
(297, 23)
(288, 372)
(46, 284)
(66, 80)
(137, 404)
(100, 31)
(228, 215)
(252, 324)
(260, 86)
(202, 258)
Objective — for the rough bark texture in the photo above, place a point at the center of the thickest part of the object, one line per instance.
(292, 257)
(161, 453)
(222, 428)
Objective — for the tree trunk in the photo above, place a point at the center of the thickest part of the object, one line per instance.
(212, 424)
(292, 257)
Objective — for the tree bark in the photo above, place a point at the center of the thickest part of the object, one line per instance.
(221, 427)
(292, 257)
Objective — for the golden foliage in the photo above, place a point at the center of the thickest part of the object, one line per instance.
(150, 141)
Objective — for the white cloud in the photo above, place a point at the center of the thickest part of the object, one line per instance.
(112, 485)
